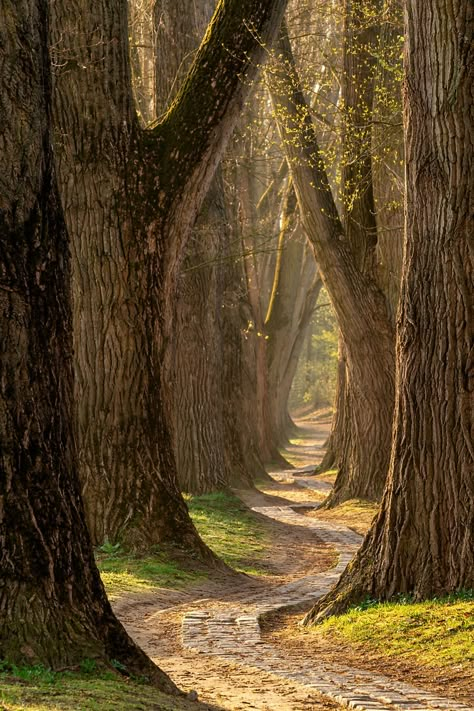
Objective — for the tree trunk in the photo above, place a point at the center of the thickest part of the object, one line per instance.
(359, 304)
(422, 542)
(53, 607)
(130, 216)
(358, 421)
(295, 290)
(199, 404)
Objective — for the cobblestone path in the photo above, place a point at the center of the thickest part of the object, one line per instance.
(233, 634)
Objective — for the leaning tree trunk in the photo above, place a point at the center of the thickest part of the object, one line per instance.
(422, 542)
(295, 291)
(199, 408)
(131, 215)
(53, 607)
(358, 421)
(360, 306)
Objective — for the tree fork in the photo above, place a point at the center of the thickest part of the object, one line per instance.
(129, 244)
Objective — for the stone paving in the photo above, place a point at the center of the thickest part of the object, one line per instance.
(233, 633)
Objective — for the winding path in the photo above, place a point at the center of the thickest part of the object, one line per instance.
(234, 634)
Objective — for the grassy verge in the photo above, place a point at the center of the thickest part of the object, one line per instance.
(355, 514)
(39, 689)
(437, 633)
(124, 573)
(231, 530)
(224, 523)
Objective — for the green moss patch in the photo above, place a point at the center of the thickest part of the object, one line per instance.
(355, 514)
(437, 633)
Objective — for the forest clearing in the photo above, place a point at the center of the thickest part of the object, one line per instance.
(236, 355)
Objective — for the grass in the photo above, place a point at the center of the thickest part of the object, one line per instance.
(224, 523)
(124, 573)
(39, 689)
(355, 513)
(231, 530)
(438, 633)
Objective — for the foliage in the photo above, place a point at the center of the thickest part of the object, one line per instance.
(230, 529)
(436, 632)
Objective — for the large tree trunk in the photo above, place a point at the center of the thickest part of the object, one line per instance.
(200, 406)
(422, 542)
(53, 607)
(130, 218)
(360, 306)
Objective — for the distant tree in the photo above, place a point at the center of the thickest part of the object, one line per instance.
(422, 541)
(53, 607)
(131, 197)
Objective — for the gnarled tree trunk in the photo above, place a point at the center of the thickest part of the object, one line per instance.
(422, 541)
(53, 607)
(130, 219)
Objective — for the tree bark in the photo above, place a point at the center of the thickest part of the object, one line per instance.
(131, 203)
(295, 291)
(199, 400)
(359, 304)
(53, 607)
(422, 542)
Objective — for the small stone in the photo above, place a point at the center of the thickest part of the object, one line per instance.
(192, 695)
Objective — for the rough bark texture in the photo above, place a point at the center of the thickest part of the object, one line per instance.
(53, 607)
(130, 203)
(359, 304)
(199, 403)
(423, 539)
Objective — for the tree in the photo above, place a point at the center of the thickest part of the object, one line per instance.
(53, 607)
(360, 305)
(203, 398)
(131, 198)
(422, 541)
(295, 289)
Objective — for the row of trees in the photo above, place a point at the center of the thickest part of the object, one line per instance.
(163, 374)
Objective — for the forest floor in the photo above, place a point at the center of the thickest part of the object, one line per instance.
(208, 640)
(234, 640)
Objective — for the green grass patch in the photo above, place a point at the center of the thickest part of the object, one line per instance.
(40, 689)
(436, 633)
(355, 513)
(124, 573)
(224, 523)
(231, 530)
